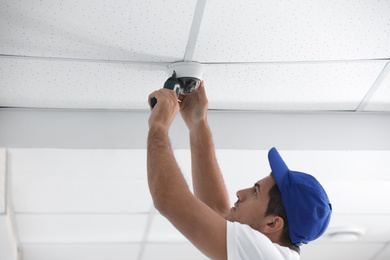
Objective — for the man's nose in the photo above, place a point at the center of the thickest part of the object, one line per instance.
(240, 195)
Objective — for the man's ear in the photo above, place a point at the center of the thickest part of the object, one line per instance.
(274, 223)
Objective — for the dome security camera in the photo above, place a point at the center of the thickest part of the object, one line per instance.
(189, 75)
(185, 78)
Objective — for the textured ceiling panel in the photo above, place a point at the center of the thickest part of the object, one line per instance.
(82, 181)
(121, 30)
(337, 86)
(97, 251)
(380, 101)
(69, 228)
(63, 84)
(294, 30)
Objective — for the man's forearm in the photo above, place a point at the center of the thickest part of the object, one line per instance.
(207, 179)
(172, 198)
(166, 183)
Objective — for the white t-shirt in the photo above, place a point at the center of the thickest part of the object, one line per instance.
(245, 243)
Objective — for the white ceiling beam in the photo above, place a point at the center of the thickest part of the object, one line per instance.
(114, 129)
(374, 87)
(194, 32)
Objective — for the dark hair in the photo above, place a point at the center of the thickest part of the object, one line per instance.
(276, 207)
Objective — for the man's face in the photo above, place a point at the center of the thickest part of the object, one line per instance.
(252, 204)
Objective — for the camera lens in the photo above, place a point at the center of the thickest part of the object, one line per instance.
(188, 85)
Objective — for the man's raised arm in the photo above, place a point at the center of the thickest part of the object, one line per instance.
(171, 196)
(207, 179)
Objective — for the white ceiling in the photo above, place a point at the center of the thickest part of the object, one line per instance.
(305, 55)
(299, 57)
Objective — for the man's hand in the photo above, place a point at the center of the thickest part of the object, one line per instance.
(166, 109)
(193, 107)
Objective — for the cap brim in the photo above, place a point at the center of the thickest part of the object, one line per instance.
(278, 166)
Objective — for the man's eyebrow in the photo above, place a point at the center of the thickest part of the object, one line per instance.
(257, 186)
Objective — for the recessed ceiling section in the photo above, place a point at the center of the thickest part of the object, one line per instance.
(322, 86)
(124, 30)
(89, 85)
(233, 31)
(95, 251)
(68, 228)
(53, 181)
(79, 181)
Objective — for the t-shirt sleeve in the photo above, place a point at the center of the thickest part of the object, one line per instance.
(245, 243)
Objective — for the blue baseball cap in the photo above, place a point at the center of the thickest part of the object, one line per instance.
(307, 206)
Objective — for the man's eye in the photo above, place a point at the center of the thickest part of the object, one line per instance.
(254, 191)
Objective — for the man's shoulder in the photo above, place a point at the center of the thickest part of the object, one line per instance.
(244, 242)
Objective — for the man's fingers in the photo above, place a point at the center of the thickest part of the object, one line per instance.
(201, 87)
(151, 96)
(163, 95)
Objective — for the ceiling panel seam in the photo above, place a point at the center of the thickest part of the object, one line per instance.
(381, 77)
(152, 213)
(217, 111)
(294, 62)
(195, 27)
(160, 63)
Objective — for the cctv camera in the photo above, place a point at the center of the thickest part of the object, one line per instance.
(189, 75)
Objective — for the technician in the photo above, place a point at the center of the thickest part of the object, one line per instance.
(270, 220)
